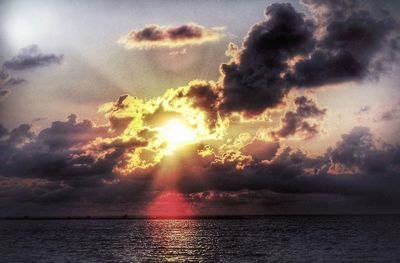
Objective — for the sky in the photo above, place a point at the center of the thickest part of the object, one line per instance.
(184, 108)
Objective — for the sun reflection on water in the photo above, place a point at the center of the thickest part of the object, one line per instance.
(176, 240)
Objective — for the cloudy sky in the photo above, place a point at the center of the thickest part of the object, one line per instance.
(165, 108)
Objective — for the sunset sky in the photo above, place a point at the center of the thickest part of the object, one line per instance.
(182, 108)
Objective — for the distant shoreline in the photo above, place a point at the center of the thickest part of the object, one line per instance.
(128, 217)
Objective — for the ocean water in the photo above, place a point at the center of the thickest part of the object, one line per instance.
(269, 239)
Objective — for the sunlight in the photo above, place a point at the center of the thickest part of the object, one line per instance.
(176, 134)
(169, 205)
(29, 24)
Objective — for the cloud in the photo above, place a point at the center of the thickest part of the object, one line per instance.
(31, 57)
(251, 80)
(261, 150)
(3, 76)
(6, 81)
(355, 169)
(353, 148)
(4, 94)
(76, 153)
(345, 26)
(27, 58)
(297, 122)
(156, 36)
(391, 114)
(62, 135)
(3, 131)
(289, 50)
(78, 165)
(13, 82)
(71, 163)
(194, 105)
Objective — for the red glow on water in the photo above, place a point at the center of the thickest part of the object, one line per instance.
(169, 204)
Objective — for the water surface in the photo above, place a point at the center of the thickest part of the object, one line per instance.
(270, 239)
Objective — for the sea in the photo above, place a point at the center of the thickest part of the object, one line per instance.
(255, 239)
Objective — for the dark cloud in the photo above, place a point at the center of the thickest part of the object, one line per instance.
(70, 133)
(357, 150)
(343, 42)
(6, 82)
(58, 152)
(4, 94)
(306, 108)
(13, 82)
(20, 135)
(252, 81)
(153, 36)
(58, 198)
(3, 131)
(332, 8)
(48, 170)
(346, 51)
(31, 57)
(205, 96)
(150, 33)
(355, 169)
(76, 164)
(295, 122)
(3, 75)
(353, 148)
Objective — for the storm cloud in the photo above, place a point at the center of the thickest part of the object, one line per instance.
(290, 50)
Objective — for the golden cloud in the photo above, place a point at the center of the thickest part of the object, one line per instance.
(179, 117)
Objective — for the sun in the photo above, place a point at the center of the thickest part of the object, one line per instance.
(176, 134)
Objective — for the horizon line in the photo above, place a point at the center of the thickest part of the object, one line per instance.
(133, 217)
